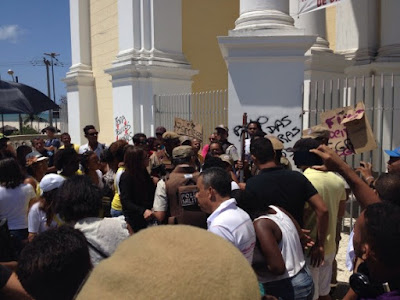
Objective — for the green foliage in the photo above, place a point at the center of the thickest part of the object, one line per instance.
(26, 130)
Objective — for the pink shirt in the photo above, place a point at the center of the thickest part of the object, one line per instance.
(205, 150)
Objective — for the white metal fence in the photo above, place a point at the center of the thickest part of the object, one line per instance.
(206, 108)
(380, 95)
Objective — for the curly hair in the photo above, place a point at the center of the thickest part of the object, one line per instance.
(63, 157)
(78, 198)
(55, 263)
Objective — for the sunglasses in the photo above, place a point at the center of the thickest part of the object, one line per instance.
(93, 134)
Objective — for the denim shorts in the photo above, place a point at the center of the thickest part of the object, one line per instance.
(298, 287)
(115, 213)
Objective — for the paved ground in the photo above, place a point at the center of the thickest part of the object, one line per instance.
(343, 273)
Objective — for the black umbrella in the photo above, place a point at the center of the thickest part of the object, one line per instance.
(18, 98)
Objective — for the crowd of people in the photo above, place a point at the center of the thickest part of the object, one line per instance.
(75, 220)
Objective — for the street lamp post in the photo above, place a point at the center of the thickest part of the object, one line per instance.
(11, 73)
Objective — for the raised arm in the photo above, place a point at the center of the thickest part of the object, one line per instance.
(332, 162)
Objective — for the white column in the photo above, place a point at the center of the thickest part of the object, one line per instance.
(313, 23)
(264, 14)
(357, 30)
(151, 31)
(150, 61)
(265, 59)
(82, 109)
(389, 50)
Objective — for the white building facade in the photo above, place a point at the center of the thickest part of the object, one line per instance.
(272, 56)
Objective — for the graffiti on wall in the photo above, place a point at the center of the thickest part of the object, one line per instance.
(282, 127)
(123, 129)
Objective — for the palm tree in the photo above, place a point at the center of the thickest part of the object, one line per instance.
(33, 117)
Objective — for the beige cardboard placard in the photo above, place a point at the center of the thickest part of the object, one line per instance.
(189, 128)
(338, 139)
(359, 129)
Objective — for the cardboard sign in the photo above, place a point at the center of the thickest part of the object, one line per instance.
(359, 129)
(189, 128)
(350, 130)
(338, 139)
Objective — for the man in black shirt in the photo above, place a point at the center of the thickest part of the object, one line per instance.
(287, 189)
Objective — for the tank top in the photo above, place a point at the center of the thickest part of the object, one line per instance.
(116, 201)
(290, 246)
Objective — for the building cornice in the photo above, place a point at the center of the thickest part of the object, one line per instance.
(265, 47)
(131, 69)
(79, 75)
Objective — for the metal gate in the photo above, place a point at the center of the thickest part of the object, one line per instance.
(206, 108)
(380, 95)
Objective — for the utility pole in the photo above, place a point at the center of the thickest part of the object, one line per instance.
(47, 63)
(52, 57)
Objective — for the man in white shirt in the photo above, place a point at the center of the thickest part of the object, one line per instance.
(226, 219)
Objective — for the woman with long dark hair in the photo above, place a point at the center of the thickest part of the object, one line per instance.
(14, 198)
(116, 161)
(137, 188)
(91, 167)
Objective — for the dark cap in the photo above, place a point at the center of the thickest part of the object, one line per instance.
(160, 130)
(223, 127)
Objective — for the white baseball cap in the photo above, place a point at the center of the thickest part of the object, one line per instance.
(50, 182)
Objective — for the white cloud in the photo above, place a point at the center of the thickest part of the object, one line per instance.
(10, 33)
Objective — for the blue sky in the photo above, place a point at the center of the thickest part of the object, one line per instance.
(27, 30)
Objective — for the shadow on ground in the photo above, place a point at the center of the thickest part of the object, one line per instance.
(338, 292)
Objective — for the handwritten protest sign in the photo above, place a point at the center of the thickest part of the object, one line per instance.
(338, 139)
(350, 131)
(359, 130)
(189, 128)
